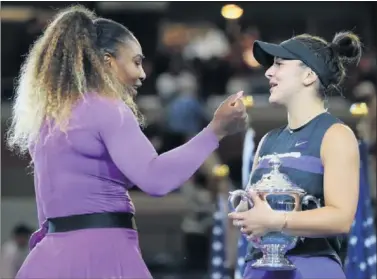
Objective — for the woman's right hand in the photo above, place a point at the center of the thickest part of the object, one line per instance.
(230, 117)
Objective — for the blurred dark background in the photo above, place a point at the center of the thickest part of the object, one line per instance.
(195, 57)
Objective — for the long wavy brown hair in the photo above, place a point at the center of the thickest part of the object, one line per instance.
(65, 63)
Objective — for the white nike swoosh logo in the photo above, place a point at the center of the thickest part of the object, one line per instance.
(300, 143)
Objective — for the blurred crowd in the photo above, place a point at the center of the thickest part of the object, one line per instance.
(14, 251)
(190, 67)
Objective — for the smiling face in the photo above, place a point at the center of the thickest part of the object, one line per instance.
(128, 64)
(287, 78)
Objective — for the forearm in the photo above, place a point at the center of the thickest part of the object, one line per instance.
(137, 159)
(172, 169)
(325, 221)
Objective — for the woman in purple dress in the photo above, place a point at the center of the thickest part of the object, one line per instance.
(318, 153)
(74, 112)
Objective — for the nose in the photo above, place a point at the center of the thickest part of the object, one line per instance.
(270, 72)
(142, 76)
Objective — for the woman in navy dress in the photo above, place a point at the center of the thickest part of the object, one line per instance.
(318, 152)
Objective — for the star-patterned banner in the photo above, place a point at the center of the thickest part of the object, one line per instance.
(361, 255)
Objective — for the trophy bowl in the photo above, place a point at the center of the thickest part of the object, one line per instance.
(282, 195)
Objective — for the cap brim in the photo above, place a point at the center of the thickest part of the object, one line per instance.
(264, 53)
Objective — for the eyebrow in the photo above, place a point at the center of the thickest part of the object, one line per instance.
(139, 56)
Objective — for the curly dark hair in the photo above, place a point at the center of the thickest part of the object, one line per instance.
(65, 63)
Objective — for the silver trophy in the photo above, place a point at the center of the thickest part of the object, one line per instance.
(282, 195)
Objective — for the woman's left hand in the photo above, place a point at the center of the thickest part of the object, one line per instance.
(259, 220)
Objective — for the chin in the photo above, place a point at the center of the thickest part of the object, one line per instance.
(273, 99)
(133, 92)
(277, 98)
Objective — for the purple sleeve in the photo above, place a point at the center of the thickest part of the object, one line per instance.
(38, 235)
(136, 157)
(41, 216)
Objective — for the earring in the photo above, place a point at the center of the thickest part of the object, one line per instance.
(107, 59)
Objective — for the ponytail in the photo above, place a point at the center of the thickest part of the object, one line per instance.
(64, 64)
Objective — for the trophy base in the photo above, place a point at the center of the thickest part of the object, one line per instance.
(274, 264)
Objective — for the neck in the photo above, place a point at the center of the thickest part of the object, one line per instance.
(303, 111)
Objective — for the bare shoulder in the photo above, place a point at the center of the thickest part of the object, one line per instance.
(260, 145)
(339, 140)
(262, 141)
(341, 134)
(256, 155)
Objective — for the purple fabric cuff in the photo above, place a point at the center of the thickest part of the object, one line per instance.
(38, 235)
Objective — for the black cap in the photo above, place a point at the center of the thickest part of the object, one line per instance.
(291, 49)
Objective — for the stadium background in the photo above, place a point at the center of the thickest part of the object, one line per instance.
(191, 50)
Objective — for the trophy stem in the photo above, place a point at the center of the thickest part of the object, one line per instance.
(274, 258)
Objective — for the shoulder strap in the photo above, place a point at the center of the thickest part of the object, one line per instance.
(247, 155)
(269, 141)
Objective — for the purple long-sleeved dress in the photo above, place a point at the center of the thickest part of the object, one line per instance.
(89, 169)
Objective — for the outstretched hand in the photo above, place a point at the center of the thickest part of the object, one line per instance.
(230, 117)
(259, 220)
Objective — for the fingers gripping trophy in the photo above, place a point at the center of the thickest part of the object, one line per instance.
(282, 195)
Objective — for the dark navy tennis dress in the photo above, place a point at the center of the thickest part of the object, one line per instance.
(299, 151)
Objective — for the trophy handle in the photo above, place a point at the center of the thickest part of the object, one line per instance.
(239, 201)
(309, 198)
